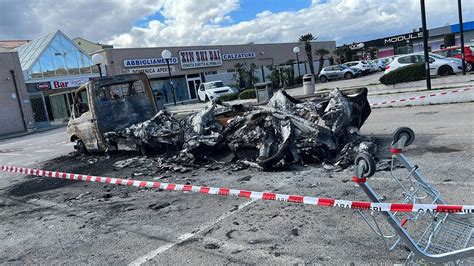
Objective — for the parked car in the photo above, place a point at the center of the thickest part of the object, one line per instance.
(213, 90)
(373, 66)
(363, 66)
(336, 72)
(439, 65)
(456, 53)
(383, 62)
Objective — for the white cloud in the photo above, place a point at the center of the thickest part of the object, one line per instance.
(191, 22)
(340, 20)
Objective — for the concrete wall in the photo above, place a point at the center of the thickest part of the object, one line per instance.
(10, 111)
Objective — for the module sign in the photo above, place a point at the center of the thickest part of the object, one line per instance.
(235, 56)
(152, 70)
(148, 62)
(403, 38)
(200, 58)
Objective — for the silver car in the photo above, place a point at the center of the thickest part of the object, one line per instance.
(336, 72)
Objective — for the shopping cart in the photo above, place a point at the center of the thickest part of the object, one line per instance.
(443, 237)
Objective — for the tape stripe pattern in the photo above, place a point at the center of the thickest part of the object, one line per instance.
(327, 202)
(419, 97)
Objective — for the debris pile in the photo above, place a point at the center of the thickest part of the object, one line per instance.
(283, 132)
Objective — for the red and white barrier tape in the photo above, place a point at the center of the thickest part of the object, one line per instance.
(328, 202)
(443, 93)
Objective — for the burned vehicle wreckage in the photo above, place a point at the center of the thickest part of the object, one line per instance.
(278, 134)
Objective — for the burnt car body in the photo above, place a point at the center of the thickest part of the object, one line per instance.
(109, 104)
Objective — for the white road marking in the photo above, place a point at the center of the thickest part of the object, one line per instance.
(187, 236)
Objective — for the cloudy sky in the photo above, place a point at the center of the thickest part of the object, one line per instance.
(141, 23)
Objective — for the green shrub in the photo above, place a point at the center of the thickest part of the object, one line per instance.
(248, 94)
(229, 97)
(405, 74)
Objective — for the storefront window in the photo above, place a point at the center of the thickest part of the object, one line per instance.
(162, 87)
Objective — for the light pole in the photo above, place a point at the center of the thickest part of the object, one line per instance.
(296, 51)
(166, 54)
(425, 45)
(97, 59)
(261, 67)
(461, 35)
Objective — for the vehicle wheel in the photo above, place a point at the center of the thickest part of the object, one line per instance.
(348, 75)
(323, 79)
(404, 131)
(368, 162)
(445, 70)
(468, 66)
(81, 147)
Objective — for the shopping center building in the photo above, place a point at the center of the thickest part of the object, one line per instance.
(192, 65)
(53, 67)
(412, 42)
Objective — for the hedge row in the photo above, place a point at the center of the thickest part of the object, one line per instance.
(248, 94)
(405, 74)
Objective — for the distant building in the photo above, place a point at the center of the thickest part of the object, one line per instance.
(90, 47)
(16, 114)
(412, 42)
(8, 45)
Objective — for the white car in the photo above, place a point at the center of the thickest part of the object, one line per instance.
(439, 65)
(213, 90)
(363, 66)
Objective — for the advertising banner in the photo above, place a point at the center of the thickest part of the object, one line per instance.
(68, 83)
(152, 70)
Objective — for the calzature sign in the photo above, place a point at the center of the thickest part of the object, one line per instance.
(200, 58)
(152, 70)
(148, 62)
(68, 83)
(236, 56)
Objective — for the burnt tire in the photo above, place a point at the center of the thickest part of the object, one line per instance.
(468, 67)
(445, 71)
(323, 79)
(368, 162)
(81, 147)
(403, 131)
(348, 75)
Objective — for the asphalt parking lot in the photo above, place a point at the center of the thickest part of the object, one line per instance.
(43, 220)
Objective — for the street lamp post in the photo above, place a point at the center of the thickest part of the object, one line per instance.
(97, 59)
(166, 54)
(296, 51)
(461, 35)
(425, 45)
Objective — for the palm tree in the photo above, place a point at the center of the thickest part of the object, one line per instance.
(240, 80)
(321, 52)
(306, 40)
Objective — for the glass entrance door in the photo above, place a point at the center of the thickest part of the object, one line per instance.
(193, 86)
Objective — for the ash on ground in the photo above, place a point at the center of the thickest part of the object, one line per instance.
(283, 132)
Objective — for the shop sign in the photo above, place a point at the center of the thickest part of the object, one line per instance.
(148, 62)
(235, 56)
(42, 86)
(200, 58)
(404, 38)
(356, 46)
(68, 83)
(152, 70)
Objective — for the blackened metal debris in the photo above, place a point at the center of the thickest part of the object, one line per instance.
(283, 132)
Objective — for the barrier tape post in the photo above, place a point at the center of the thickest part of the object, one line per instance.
(327, 202)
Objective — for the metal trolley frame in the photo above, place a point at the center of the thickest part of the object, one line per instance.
(447, 237)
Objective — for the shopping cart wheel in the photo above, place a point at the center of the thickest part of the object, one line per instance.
(404, 131)
(368, 162)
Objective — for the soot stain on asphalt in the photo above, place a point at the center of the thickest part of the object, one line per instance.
(37, 185)
(442, 149)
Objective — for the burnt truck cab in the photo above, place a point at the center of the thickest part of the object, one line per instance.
(109, 104)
